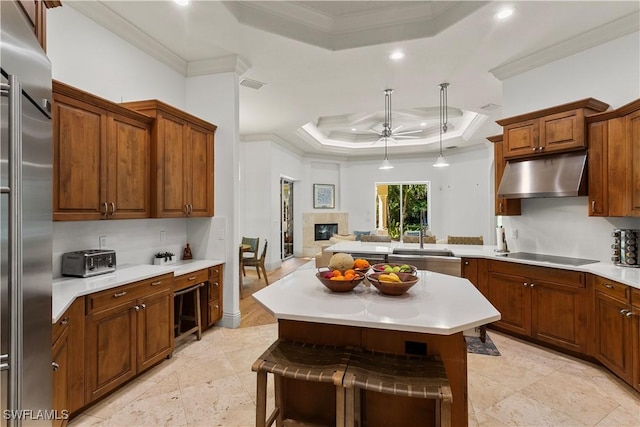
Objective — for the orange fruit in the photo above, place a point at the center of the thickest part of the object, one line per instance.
(337, 273)
(349, 276)
(352, 272)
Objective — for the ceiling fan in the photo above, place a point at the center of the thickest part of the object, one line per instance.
(388, 132)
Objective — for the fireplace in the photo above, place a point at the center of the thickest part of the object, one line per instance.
(324, 231)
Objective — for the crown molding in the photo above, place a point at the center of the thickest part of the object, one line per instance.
(599, 35)
(107, 18)
(221, 64)
(272, 137)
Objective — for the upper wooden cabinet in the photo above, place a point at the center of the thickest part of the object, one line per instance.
(552, 130)
(101, 158)
(502, 206)
(614, 162)
(182, 158)
(35, 11)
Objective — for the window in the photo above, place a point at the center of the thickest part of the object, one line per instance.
(398, 207)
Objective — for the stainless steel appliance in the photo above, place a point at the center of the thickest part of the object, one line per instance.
(25, 219)
(440, 261)
(625, 247)
(89, 262)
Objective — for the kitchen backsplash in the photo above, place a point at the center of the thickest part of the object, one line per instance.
(135, 241)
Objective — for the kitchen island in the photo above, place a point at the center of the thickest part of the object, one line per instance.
(428, 320)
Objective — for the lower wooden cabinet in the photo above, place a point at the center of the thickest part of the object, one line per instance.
(128, 329)
(635, 329)
(614, 326)
(60, 364)
(213, 308)
(547, 304)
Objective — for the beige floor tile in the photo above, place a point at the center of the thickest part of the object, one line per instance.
(86, 421)
(117, 400)
(486, 420)
(621, 417)
(521, 410)
(485, 392)
(204, 370)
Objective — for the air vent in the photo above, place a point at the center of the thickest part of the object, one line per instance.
(253, 84)
(490, 107)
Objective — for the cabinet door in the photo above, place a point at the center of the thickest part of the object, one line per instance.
(171, 168)
(617, 171)
(79, 184)
(635, 324)
(127, 168)
(110, 349)
(633, 163)
(562, 132)
(200, 172)
(613, 335)
(502, 206)
(60, 378)
(559, 314)
(598, 169)
(155, 329)
(511, 297)
(521, 139)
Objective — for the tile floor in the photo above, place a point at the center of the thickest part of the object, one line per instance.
(210, 383)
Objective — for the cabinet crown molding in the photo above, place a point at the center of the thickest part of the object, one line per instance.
(589, 103)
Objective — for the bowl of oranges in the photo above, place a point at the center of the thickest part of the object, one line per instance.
(361, 265)
(338, 280)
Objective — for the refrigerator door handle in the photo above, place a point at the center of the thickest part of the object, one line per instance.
(15, 254)
(4, 358)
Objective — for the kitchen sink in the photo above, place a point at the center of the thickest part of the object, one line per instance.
(422, 252)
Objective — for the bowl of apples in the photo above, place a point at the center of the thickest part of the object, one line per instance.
(395, 268)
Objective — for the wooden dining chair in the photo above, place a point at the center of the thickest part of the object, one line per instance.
(259, 263)
(252, 253)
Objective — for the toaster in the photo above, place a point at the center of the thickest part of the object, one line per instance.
(88, 262)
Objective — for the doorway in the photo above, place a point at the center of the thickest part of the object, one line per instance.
(286, 227)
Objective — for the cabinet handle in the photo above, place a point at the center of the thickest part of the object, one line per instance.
(106, 209)
(192, 278)
(532, 285)
(466, 263)
(500, 208)
(186, 209)
(55, 366)
(593, 206)
(156, 283)
(608, 286)
(629, 314)
(534, 149)
(136, 307)
(120, 294)
(625, 312)
(216, 284)
(190, 209)
(541, 148)
(143, 306)
(64, 321)
(113, 208)
(216, 306)
(525, 284)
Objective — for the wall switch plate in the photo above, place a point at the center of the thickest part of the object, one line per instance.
(514, 233)
(163, 236)
(220, 233)
(102, 242)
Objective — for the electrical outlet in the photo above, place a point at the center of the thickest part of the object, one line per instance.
(220, 233)
(163, 236)
(514, 233)
(102, 242)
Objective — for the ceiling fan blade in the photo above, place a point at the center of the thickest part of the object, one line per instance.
(406, 137)
(406, 132)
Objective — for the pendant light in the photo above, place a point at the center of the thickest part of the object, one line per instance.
(444, 116)
(386, 164)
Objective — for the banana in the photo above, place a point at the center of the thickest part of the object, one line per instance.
(395, 277)
(389, 278)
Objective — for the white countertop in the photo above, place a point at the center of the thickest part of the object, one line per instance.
(627, 275)
(67, 289)
(437, 304)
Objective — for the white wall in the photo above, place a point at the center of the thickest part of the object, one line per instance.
(561, 226)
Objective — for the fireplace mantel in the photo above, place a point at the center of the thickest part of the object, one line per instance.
(310, 246)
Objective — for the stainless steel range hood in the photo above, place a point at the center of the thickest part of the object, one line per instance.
(559, 175)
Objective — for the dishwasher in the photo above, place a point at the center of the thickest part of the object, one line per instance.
(440, 261)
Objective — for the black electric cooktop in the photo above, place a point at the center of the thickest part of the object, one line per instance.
(549, 258)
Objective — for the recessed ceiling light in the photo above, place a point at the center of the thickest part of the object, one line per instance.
(353, 129)
(504, 13)
(182, 2)
(397, 55)
(423, 123)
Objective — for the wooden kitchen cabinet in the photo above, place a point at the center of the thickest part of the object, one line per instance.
(546, 304)
(551, 130)
(614, 325)
(128, 329)
(614, 162)
(635, 329)
(68, 355)
(101, 158)
(182, 153)
(36, 13)
(502, 206)
(214, 297)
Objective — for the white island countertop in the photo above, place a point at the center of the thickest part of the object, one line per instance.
(66, 289)
(438, 304)
(626, 275)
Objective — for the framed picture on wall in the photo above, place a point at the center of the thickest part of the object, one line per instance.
(324, 196)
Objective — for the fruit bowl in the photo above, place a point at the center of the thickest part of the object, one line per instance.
(339, 285)
(402, 268)
(393, 288)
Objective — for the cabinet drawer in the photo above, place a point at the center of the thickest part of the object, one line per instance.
(214, 290)
(186, 280)
(215, 272)
(59, 327)
(547, 274)
(214, 311)
(635, 297)
(122, 294)
(613, 289)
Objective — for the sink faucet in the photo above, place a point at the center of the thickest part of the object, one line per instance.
(423, 224)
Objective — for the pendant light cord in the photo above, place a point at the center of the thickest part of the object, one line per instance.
(444, 114)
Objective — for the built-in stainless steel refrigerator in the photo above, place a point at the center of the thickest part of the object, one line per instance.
(25, 220)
